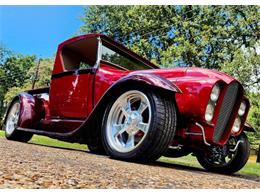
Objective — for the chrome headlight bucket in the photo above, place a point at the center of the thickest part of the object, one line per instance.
(214, 96)
(242, 108)
(236, 125)
(215, 93)
(209, 112)
(241, 112)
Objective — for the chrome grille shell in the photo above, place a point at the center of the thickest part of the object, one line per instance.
(225, 113)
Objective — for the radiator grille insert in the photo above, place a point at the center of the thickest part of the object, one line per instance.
(225, 112)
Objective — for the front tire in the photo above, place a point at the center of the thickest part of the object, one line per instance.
(12, 122)
(139, 125)
(225, 160)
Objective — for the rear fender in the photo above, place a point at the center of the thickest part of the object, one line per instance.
(28, 115)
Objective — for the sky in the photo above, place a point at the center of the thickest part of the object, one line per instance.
(38, 29)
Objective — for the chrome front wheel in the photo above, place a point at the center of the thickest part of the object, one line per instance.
(128, 121)
(138, 125)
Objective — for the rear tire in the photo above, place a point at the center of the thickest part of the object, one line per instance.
(238, 161)
(12, 122)
(139, 125)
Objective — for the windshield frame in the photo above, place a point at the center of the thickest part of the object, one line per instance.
(115, 46)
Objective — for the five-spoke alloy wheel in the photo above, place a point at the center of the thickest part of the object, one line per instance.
(139, 125)
(128, 121)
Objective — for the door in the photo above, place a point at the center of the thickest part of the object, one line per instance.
(71, 94)
(72, 88)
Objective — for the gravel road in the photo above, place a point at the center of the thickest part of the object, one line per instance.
(35, 166)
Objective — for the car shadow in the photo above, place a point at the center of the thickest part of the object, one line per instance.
(171, 165)
(201, 170)
(58, 147)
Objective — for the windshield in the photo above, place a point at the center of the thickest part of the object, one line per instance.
(119, 58)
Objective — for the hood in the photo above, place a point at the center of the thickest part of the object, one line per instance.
(175, 74)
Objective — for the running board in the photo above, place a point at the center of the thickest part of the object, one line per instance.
(47, 133)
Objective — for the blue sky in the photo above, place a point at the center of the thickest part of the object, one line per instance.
(38, 29)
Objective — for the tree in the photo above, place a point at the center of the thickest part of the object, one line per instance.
(202, 36)
(13, 73)
(254, 119)
(1, 92)
(4, 52)
(246, 68)
(44, 74)
(42, 81)
(15, 70)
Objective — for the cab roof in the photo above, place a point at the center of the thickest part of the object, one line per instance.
(112, 42)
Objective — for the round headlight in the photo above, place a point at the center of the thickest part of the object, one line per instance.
(215, 93)
(242, 109)
(236, 125)
(209, 112)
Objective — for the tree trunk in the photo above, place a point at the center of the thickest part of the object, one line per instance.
(258, 155)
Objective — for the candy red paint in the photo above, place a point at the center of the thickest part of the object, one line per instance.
(64, 109)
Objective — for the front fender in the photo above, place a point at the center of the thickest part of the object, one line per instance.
(149, 79)
(145, 79)
(249, 128)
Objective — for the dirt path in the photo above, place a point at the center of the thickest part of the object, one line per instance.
(34, 166)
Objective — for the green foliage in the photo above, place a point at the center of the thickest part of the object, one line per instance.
(202, 36)
(15, 70)
(43, 79)
(4, 52)
(254, 119)
(44, 74)
(13, 91)
(17, 73)
(246, 68)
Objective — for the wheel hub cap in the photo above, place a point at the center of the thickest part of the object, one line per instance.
(132, 122)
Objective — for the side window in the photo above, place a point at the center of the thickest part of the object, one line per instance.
(81, 54)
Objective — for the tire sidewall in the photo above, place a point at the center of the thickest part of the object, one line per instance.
(148, 140)
(13, 134)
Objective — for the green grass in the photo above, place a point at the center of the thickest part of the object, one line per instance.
(251, 168)
(42, 140)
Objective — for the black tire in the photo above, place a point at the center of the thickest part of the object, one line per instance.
(96, 148)
(95, 144)
(238, 162)
(160, 134)
(16, 135)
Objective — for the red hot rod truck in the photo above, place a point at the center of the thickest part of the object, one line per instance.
(108, 97)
